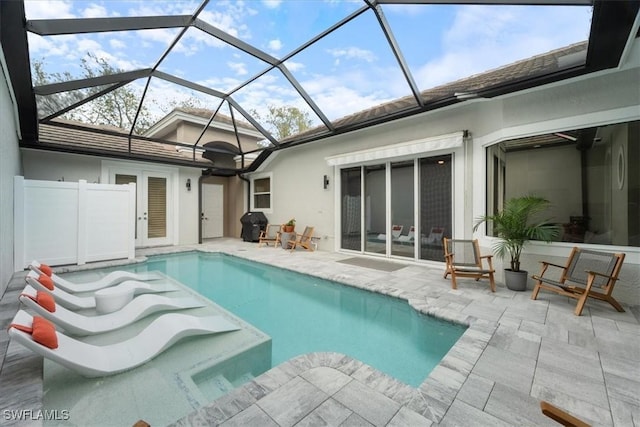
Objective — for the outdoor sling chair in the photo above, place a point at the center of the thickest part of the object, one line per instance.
(396, 231)
(39, 335)
(409, 237)
(43, 304)
(74, 302)
(111, 279)
(560, 416)
(271, 234)
(303, 240)
(587, 274)
(435, 237)
(463, 259)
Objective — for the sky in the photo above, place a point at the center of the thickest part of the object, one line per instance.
(350, 70)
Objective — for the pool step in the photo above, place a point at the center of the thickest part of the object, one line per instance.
(243, 379)
(216, 387)
(219, 385)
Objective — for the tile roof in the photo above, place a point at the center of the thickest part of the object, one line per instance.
(527, 68)
(67, 135)
(73, 138)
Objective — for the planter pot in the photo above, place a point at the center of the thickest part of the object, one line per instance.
(516, 280)
(288, 228)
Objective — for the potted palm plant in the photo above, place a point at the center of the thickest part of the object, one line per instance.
(514, 226)
(289, 226)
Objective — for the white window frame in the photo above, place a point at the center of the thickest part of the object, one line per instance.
(270, 193)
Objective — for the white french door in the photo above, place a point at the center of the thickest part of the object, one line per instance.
(153, 204)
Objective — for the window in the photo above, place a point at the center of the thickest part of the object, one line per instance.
(261, 197)
(585, 174)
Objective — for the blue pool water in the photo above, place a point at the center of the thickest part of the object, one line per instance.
(304, 314)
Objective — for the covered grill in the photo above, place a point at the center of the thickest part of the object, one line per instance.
(252, 224)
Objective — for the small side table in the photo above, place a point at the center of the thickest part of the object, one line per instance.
(285, 237)
(113, 298)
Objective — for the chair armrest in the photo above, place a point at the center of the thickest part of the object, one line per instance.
(561, 416)
(486, 256)
(595, 273)
(553, 265)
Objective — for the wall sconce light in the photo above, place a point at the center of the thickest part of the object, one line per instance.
(188, 184)
(326, 182)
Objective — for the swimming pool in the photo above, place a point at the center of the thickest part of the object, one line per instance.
(305, 314)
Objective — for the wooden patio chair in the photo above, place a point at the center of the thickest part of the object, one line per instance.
(587, 274)
(463, 259)
(271, 234)
(560, 416)
(303, 240)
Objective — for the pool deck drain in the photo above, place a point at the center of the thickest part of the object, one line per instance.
(513, 355)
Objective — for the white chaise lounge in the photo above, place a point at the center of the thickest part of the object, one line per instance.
(80, 325)
(75, 302)
(95, 361)
(111, 279)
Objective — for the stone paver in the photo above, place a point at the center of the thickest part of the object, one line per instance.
(515, 353)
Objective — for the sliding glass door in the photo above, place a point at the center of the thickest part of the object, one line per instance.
(402, 209)
(375, 218)
(351, 200)
(399, 209)
(436, 201)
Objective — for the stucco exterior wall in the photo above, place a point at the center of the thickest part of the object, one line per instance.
(53, 166)
(602, 98)
(10, 166)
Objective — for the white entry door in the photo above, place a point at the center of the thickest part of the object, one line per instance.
(153, 213)
(212, 215)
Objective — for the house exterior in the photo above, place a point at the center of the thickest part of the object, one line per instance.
(432, 173)
(574, 142)
(176, 187)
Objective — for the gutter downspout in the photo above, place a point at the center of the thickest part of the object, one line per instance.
(242, 177)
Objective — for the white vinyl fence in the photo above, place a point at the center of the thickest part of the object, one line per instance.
(60, 223)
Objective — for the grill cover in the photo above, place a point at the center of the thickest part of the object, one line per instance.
(252, 224)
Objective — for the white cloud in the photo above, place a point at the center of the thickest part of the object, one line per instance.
(88, 45)
(94, 11)
(238, 67)
(405, 9)
(339, 96)
(275, 45)
(161, 35)
(486, 37)
(42, 45)
(353, 53)
(117, 44)
(271, 4)
(294, 66)
(50, 9)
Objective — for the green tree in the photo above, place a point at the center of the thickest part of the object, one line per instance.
(285, 121)
(116, 108)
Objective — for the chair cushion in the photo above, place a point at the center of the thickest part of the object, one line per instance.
(46, 269)
(46, 301)
(46, 281)
(44, 332)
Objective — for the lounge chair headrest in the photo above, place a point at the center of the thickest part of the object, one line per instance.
(42, 331)
(46, 281)
(44, 268)
(43, 299)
